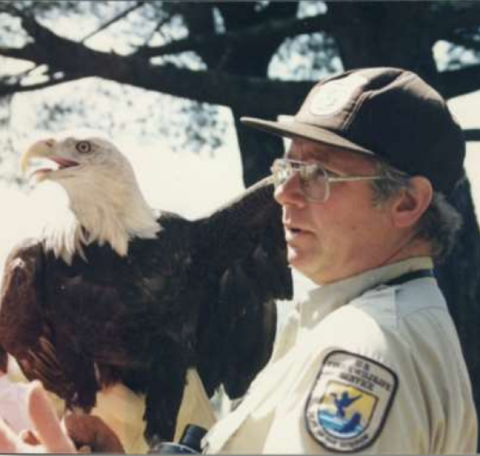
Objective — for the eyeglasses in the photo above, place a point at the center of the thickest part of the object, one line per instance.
(314, 179)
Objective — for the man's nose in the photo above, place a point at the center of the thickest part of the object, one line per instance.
(290, 192)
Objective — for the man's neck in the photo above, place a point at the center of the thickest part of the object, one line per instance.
(410, 249)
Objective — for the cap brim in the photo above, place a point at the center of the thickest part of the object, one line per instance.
(296, 129)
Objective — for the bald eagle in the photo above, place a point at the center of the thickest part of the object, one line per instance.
(117, 293)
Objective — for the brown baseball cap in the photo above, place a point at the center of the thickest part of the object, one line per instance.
(387, 112)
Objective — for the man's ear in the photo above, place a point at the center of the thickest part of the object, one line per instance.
(411, 203)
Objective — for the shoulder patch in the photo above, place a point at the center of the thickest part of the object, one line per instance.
(349, 402)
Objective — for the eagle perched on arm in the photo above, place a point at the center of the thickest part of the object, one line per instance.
(116, 293)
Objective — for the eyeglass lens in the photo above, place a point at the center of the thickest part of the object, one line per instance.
(313, 178)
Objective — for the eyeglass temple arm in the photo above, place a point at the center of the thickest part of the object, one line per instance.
(353, 178)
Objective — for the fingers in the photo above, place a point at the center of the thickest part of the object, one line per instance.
(92, 431)
(9, 441)
(46, 422)
(29, 436)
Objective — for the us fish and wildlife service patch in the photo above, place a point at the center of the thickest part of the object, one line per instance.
(349, 402)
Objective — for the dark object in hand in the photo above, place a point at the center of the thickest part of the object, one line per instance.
(189, 443)
(91, 432)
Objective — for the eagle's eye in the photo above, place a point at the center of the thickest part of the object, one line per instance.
(84, 147)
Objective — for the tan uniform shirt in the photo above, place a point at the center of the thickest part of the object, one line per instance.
(360, 367)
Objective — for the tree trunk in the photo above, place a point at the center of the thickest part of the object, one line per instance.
(258, 150)
(459, 281)
(393, 33)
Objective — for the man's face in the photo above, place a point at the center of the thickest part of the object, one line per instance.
(343, 236)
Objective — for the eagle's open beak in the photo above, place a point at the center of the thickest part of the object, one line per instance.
(44, 148)
(40, 149)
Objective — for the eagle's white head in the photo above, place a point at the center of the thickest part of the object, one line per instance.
(105, 201)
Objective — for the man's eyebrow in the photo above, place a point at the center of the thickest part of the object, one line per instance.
(322, 156)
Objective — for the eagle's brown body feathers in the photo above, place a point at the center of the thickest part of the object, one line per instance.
(199, 294)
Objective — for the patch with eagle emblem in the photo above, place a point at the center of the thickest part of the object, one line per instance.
(349, 402)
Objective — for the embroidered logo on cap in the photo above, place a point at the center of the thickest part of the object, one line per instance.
(334, 95)
(349, 402)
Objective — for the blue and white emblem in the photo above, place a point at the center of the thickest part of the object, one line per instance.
(349, 402)
(345, 411)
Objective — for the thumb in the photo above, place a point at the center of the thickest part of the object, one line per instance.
(46, 423)
(9, 441)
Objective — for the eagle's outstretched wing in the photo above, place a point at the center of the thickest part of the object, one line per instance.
(200, 294)
(244, 242)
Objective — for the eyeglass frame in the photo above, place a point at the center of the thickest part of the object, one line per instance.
(302, 166)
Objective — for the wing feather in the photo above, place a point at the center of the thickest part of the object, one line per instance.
(24, 328)
(243, 242)
(201, 294)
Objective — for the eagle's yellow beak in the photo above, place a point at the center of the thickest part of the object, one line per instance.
(39, 149)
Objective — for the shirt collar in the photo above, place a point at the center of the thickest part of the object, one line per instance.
(322, 300)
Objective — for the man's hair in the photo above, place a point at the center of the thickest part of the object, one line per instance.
(439, 223)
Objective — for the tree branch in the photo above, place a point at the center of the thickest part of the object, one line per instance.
(10, 9)
(77, 61)
(244, 94)
(157, 28)
(273, 30)
(472, 134)
(23, 53)
(112, 21)
(10, 89)
(461, 39)
(463, 18)
(56, 52)
(203, 86)
(29, 23)
(459, 82)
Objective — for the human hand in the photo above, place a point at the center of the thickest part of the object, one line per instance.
(88, 433)
(49, 437)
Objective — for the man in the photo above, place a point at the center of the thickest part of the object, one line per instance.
(370, 361)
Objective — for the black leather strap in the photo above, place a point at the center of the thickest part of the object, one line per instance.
(420, 274)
